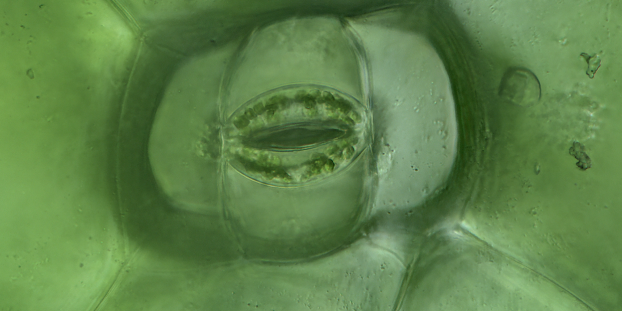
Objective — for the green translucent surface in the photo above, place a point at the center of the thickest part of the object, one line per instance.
(535, 204)
(97, 214)
(64, 71)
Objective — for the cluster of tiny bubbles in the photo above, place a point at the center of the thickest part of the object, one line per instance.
(296, 134)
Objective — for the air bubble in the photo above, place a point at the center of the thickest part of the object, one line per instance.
(520, 86)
